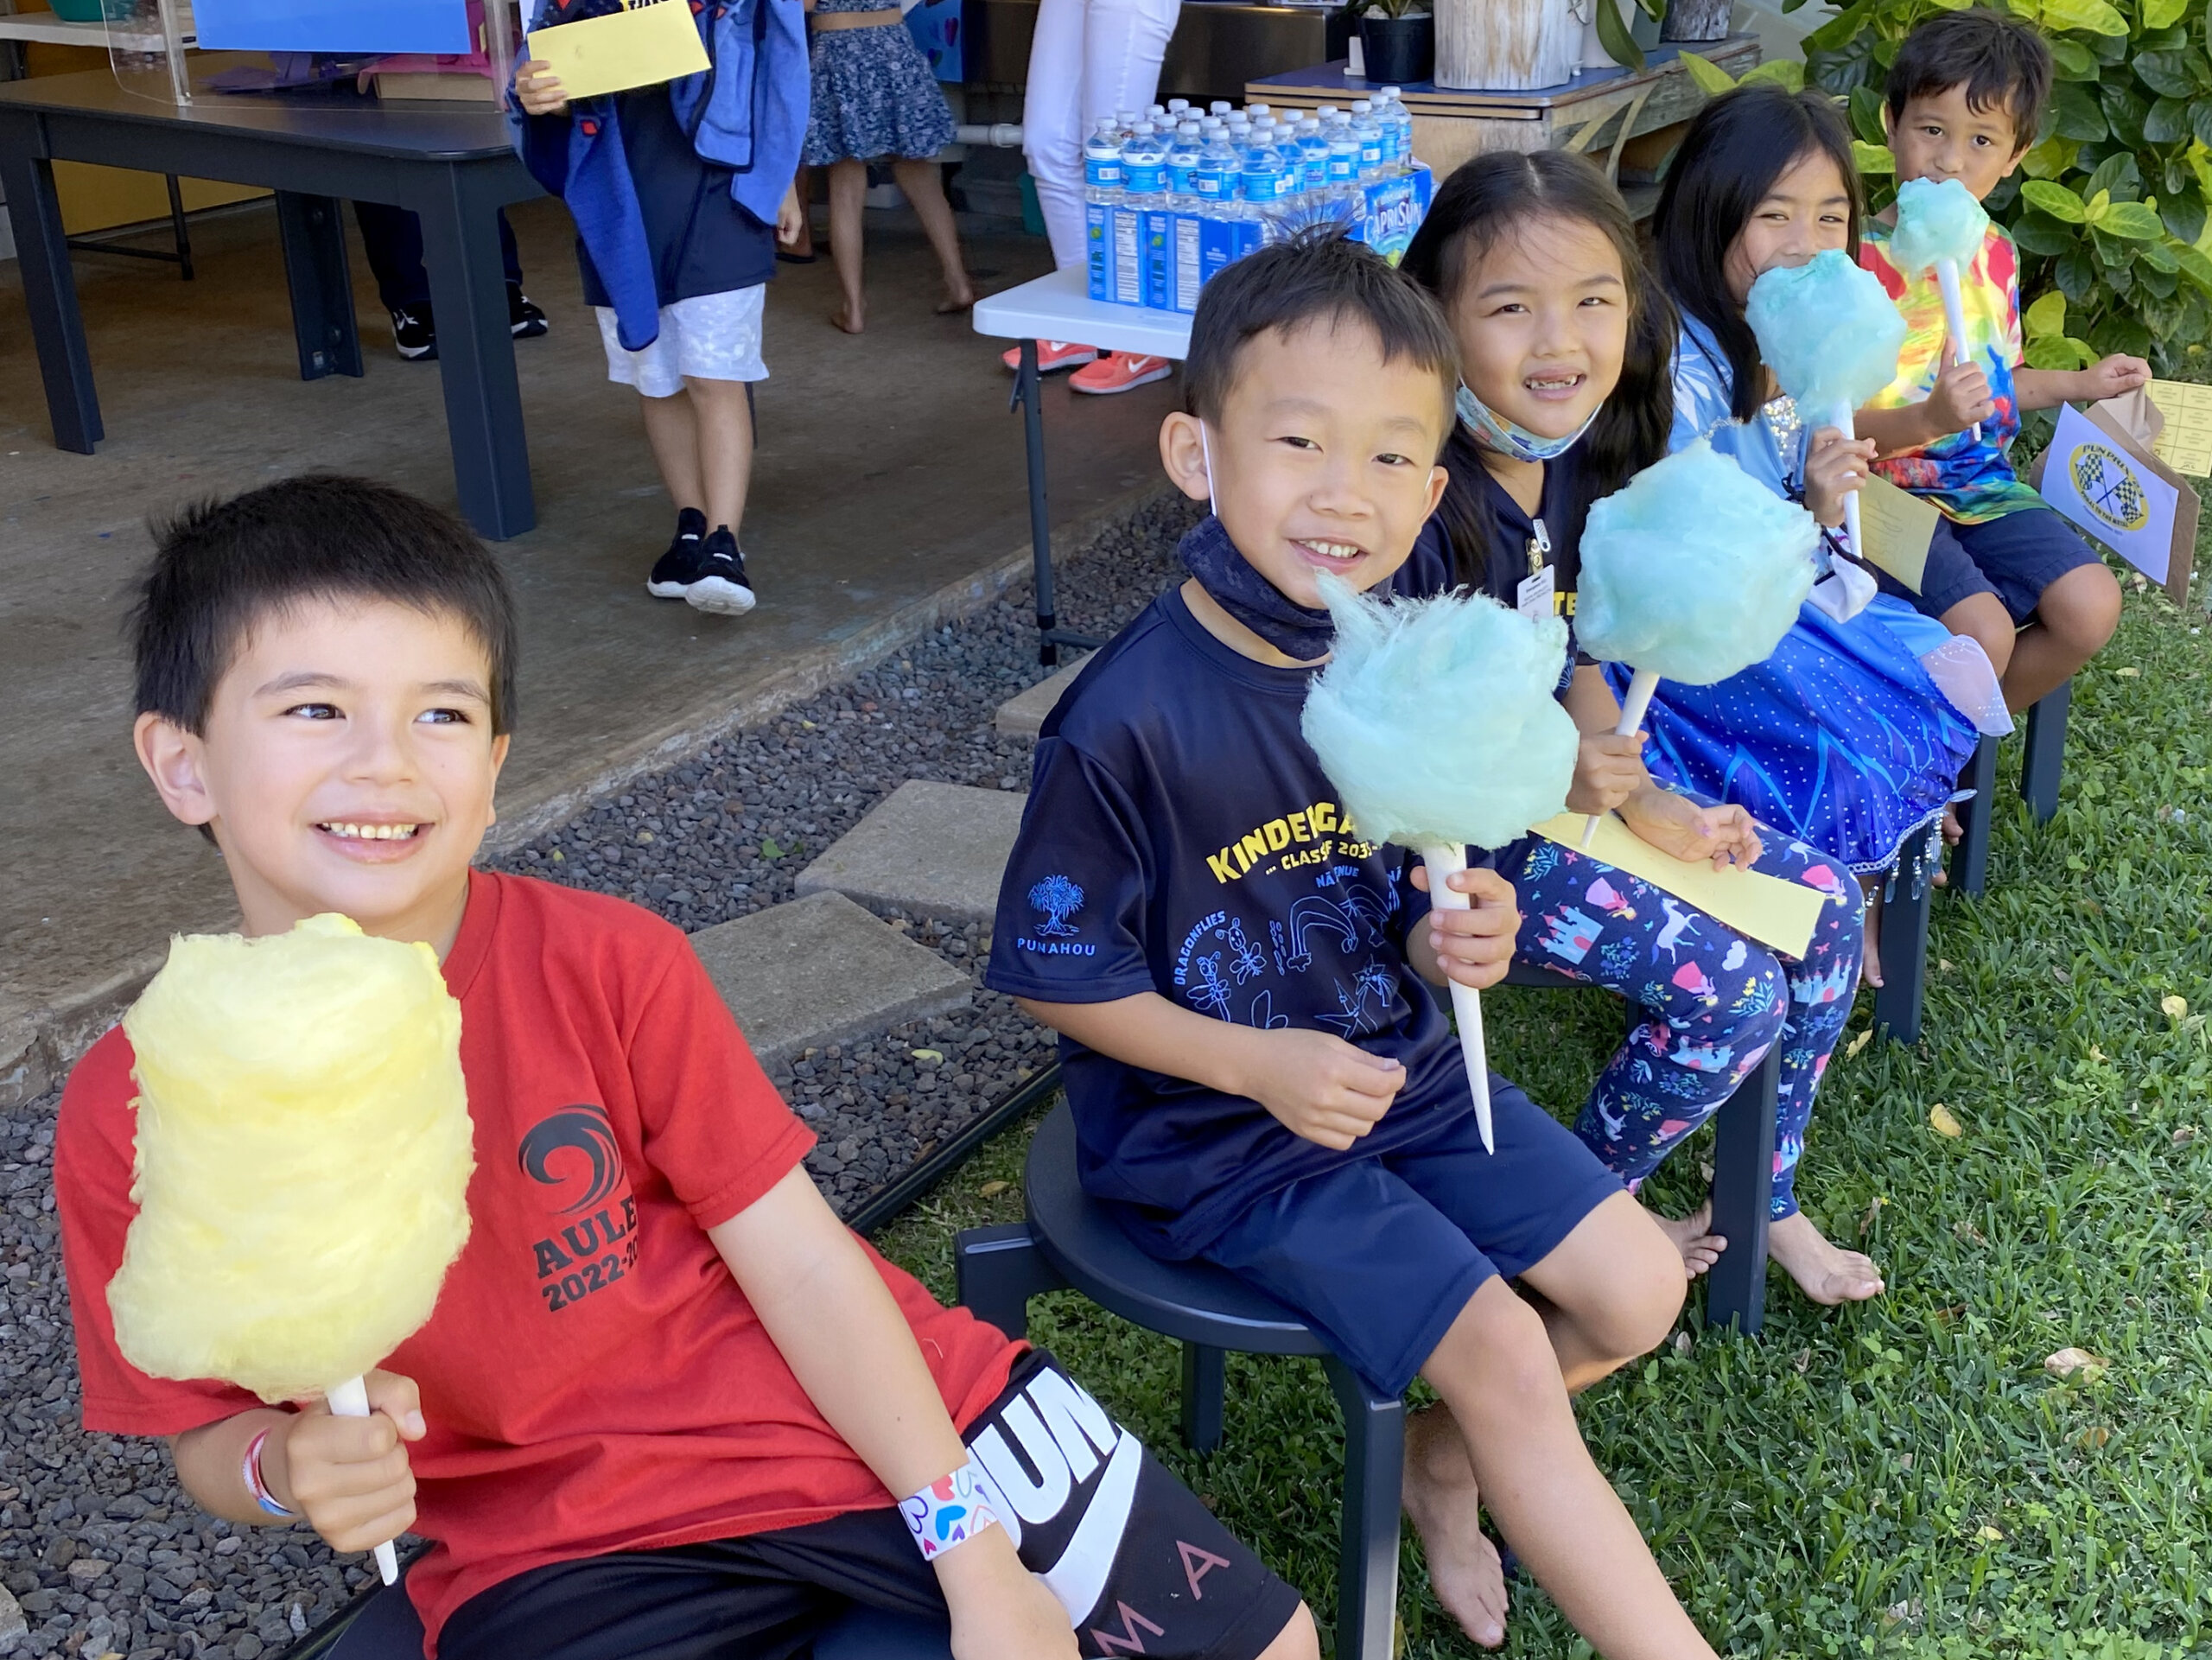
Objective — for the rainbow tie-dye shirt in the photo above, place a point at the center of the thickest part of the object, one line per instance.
(1971, 481)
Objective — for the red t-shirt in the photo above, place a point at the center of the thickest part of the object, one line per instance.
(593, 1378)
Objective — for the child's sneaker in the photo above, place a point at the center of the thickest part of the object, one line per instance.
(1050, 355)
(685, 562)
(720, 587)
(1118, 372)
(414, 333)
(525, 321)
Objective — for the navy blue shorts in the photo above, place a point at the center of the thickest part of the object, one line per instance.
(1381, 1255)
(2015, 556)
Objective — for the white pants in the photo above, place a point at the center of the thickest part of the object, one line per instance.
(1088, 59)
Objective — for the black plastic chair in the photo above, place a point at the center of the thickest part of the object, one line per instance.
(1907, 898)
(1070, 1243)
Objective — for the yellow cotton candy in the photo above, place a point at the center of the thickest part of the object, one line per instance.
(303, 1157)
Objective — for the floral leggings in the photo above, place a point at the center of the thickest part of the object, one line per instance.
(1713, 1001)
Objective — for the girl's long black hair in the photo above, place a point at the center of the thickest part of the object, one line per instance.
(1491, 197)
(1737, 147)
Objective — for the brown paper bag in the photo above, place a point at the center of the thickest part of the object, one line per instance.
(2132, 422)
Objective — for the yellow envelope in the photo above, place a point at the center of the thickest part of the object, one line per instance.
(1779, 914)
(654, 40)
(1898, 527)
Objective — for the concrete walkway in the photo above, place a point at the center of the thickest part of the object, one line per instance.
(888, 489)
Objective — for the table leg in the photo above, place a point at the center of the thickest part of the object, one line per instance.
(1027, 384)
(49, 286)
(476, 355)
(313, 235)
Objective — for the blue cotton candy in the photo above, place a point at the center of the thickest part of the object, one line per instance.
(1436, 722)
(1828, 331)
(1694, 571)
(1935, 221)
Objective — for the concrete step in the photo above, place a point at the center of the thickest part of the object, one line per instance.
(1023, 714)
(928, 850)
(822, 971)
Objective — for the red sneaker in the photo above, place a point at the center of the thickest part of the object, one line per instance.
(1117, 372)
(1050, 355)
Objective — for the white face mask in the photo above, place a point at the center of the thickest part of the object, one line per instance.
(1494, 432)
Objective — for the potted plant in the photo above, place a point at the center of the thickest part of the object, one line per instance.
(1397, 40)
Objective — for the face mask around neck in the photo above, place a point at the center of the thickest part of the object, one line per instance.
(1493, 432)
(1230, 581)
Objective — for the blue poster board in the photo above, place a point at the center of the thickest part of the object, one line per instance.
(437, 27)
(936, 28)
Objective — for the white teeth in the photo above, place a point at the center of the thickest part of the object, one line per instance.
(1335, 550)
(372, 832)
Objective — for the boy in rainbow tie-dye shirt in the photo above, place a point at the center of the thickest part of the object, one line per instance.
(1963, 101)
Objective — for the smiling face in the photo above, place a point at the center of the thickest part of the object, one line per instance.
(1324, 458)
(1806, 212)
(1941, 135)
(1542, 317)
(346, 764)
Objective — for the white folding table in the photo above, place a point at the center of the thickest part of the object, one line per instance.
(1059, 307)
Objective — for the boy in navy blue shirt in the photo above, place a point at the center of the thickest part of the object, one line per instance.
(1258, 1077)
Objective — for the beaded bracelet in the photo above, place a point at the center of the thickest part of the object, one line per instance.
(952, 1510)
(256, 1485)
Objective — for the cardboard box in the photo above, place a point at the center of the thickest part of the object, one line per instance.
(2111, 485)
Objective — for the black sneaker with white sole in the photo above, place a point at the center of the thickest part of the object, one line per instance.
(414, 333)
(721, 587)
(525, 321)
(685, 562)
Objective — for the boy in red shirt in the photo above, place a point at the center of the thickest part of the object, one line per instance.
(667, 1403)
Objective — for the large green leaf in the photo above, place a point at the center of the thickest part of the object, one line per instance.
(2196, 266)
(2124, 109)
(2077, 274)
(1785, 73)
(1872, 158)
(1865, 105)
(2049, 159)
(2200, 115)
(2163, 14)
(2093, 16)
(1612, 34)
(2056, 200)
(1711, 78)
(2173, 74)
(2130, 219)
(2056, 351)
(2182, 210)
(2117, 176)
(2167, 122)
(2041, 235)
(2046, 317)
(2078, 113)
(2073, 60)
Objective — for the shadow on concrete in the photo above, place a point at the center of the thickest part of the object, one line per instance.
(889, 481)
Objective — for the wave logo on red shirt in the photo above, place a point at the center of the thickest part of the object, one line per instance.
(575, 1151)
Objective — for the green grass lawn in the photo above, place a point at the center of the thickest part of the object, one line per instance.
(1905, 1478)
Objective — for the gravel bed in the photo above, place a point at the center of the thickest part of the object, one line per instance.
(100, 1553)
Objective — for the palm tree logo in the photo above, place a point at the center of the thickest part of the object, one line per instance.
(1059, 898)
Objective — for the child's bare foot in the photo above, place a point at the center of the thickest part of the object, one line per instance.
(1446, 1510)
(1693, 1237)
(846, 319)
(1869, 972)
(958, 296)
(1825, 1272)
(1954, 831)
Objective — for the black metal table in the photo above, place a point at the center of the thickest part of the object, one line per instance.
(453, 167)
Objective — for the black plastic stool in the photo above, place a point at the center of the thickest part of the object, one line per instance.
(1743, 1174)
(1070, 1243)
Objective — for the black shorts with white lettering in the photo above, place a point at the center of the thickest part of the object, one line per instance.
(1140, 1562)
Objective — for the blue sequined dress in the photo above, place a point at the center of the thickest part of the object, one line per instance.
(1840, 737)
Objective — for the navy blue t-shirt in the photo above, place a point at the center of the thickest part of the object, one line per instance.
(1181, 838)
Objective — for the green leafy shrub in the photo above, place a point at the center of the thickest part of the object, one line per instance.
(2108, 208)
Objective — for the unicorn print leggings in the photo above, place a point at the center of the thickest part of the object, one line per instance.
(1713, 1001)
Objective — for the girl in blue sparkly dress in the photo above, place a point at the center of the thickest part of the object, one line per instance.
(1852, 735)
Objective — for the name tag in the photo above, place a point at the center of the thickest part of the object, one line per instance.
(1533, 597)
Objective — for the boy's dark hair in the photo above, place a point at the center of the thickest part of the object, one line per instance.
(1736, 148)
(219, 567)
(1317, 277)
(1493, 197)
(2003, 62)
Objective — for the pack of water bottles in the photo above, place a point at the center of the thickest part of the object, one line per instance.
(1172, 196)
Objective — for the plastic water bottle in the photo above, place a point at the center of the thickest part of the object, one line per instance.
(1125, 122)
(1313, 149)
(1368, 133)
(1258, 112)
(1402, 121)
(1345, 196)
(1179, 108)
(1101, 194)
(1183, 152)
(1219, 108)
(1262, 183)
(1214, 180)
(1144, 195)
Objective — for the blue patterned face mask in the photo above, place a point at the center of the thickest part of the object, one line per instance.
(1494, 432)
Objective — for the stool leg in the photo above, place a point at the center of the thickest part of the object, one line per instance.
(2046, 753)
(1366, 1559)
(1204, 1382)
(1905, 944)
(997, 1270)
(1970, 865)
(1743, 1187)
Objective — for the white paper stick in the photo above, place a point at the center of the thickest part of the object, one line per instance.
(1641, 685)
(1847, 422)
(1954, 314)
(351, 1400)
(1444, 862)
